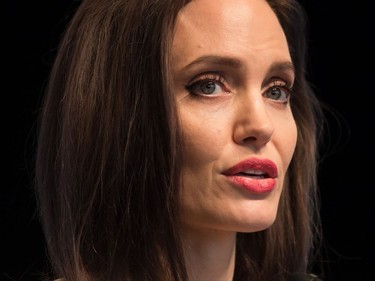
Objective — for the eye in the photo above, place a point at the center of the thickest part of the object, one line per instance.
(279, 91)
(210, 84)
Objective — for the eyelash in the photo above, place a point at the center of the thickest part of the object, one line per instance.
(206, 77)
(280, 84)
(215, 78)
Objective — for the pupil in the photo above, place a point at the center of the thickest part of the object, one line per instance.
(275, 92)
(208, 88)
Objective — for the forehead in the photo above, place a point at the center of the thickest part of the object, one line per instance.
(241, 29)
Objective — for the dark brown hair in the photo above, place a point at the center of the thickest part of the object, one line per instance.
(109, 152)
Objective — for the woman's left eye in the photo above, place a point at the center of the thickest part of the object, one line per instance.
(278, 92)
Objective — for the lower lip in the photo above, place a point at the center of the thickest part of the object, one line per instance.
(254, 185)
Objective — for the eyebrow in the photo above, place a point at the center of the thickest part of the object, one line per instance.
(278, 66)
(215, 60)
(284, 66)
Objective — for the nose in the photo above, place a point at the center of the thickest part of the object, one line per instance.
(253, 125)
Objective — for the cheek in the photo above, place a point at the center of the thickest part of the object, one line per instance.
(203, 145)
(204, 139)
(286, 141)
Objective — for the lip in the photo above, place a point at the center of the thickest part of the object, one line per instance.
(254, 174)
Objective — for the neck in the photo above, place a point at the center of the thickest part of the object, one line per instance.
(210, 255)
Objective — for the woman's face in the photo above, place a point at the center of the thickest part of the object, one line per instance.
(233, 76)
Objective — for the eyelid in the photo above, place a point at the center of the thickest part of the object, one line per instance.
(215, 76)
(279, 82)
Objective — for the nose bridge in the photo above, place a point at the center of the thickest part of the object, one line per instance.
(253, 123)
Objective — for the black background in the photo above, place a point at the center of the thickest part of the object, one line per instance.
(341, 69)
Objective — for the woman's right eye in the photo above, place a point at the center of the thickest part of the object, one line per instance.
(208, 85)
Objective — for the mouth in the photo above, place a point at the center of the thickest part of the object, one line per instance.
(253, 174)
(254, 167)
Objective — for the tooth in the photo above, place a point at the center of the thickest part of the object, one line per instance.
(254, 172)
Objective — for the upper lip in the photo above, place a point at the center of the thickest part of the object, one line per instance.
(255, 166)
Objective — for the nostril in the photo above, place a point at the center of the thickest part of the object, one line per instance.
(250, 139)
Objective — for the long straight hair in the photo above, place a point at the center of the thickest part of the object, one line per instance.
(109, 152)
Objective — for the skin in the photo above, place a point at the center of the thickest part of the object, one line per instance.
(237, 121)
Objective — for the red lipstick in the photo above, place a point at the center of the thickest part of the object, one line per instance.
(254, 174)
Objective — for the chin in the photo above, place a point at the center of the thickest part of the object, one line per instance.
(262, 222)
